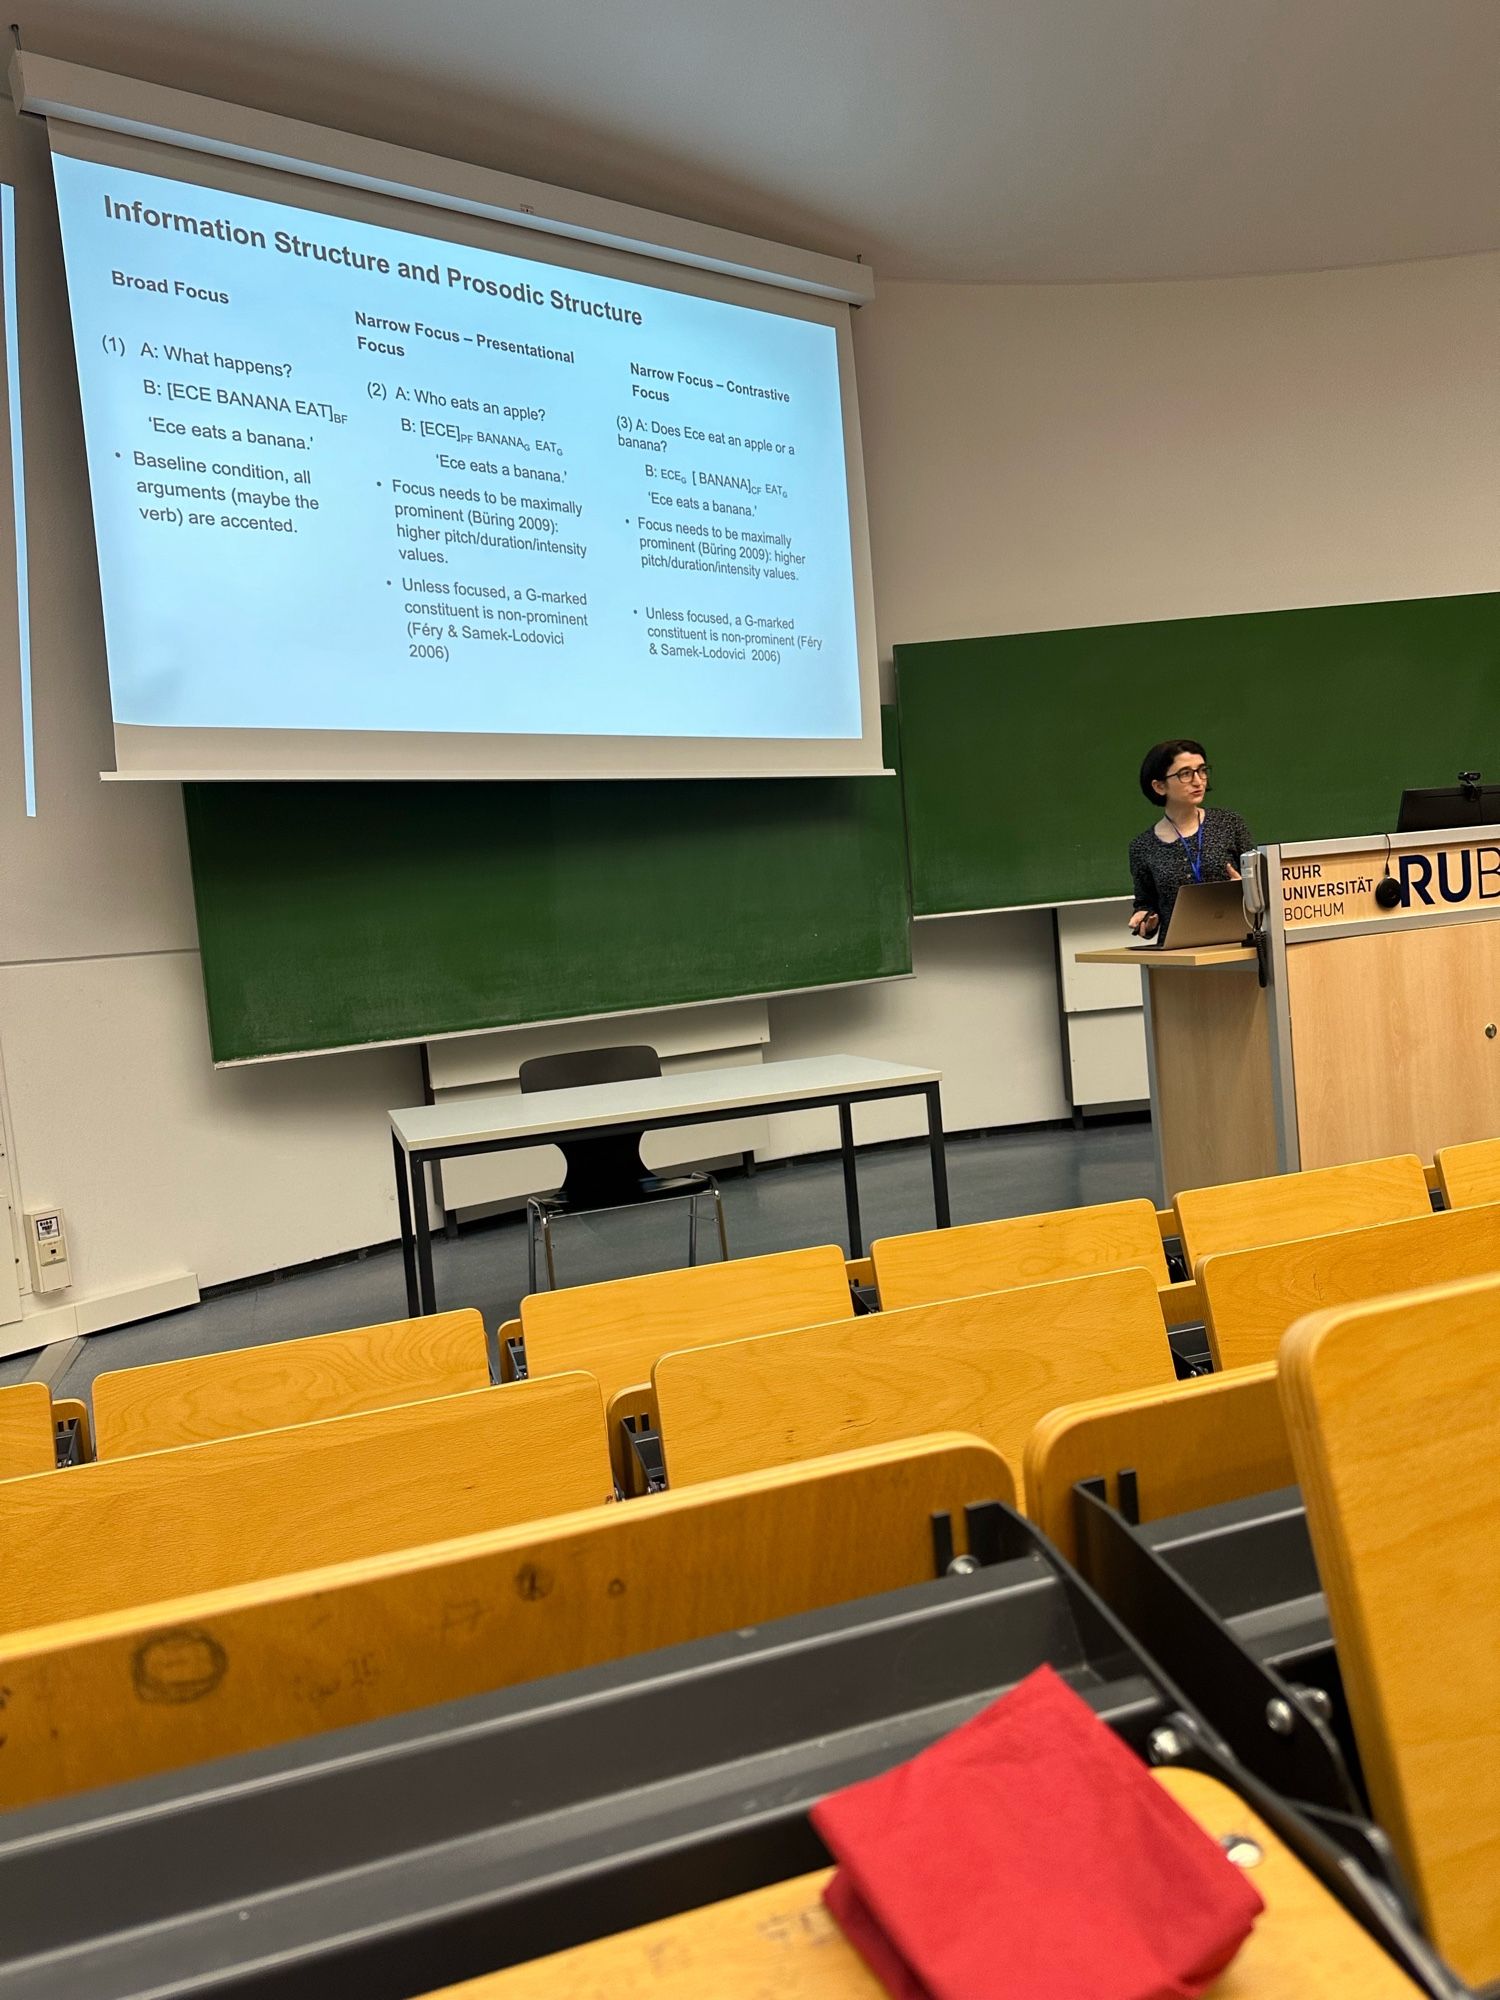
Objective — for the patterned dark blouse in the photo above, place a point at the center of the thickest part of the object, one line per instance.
(1158, 870)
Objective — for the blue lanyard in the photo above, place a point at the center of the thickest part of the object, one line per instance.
(1194, 849)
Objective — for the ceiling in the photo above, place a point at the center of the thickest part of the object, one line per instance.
(1021, 140)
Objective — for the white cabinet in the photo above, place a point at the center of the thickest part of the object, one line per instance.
(1104, 1029)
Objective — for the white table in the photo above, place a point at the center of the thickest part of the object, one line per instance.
(428, 1133)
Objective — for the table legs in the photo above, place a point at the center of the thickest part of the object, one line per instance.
(403, 1216)
(939, 1156)
(422, 1231)
(851, 1182)
(416, 1225)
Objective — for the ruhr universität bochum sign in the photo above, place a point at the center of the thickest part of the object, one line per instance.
(1340, 887)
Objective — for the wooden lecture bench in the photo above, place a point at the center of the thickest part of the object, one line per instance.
(616, 1330)
(992, 1364)
(1469, 1175)
(28, 1434)
(933, 1264)
(301, 1381)
(1242, 1215)
(146, 1688)
(1221, 1437)
(128, 1531)
(1251, 1297)
(780, 1943)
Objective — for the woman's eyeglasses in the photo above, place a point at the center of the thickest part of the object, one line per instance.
(1203, 771)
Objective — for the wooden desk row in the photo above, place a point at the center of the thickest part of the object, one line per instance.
(781, 1940)
(617, 1332)
(1398, 1494)
(994, 1364)
(339, 1647)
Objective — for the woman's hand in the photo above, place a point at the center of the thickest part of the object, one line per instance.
(1234, 873)
(1144, 923)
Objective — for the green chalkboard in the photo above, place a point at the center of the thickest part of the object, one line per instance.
(339, 914)
(1020, 754)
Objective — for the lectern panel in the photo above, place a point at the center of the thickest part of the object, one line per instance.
(1212, 1095)
(1390, 1044)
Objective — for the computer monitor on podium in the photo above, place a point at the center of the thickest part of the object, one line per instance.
(1468, 803)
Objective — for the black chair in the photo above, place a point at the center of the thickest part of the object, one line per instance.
(607, 1172)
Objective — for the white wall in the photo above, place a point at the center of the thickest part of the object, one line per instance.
(1036, 457)
(1049, 456)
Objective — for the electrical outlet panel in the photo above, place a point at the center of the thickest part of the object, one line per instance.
(47, 1250)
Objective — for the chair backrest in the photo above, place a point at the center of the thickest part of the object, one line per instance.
(1394, 1413)
(127, 1531)
(1469, 1175)
(1240, 1215)
(1018, 1250)
(994, 1364)
(1251, 1297)
(27, 1440)
(290, 1382)
(606, 1171)
(1220, 1437)
(581, 1066)
(617, 1331)
(154, 1689)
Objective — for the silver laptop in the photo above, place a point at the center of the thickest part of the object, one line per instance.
(1205, 913)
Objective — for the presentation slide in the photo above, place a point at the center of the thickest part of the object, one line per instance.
(352, 478)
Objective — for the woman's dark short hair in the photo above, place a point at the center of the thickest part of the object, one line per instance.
(1159, 760)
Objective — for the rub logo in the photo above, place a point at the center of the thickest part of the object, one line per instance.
(1455, 875)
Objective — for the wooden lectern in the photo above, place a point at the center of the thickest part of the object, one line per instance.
(1377, 1028)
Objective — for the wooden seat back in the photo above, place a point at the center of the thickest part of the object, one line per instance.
(247, 1389)
(156, 1688)
(1017, 1250)
(1240, 1215)
(783, 1940)
(617, 1330)
(1469, 1175)
(1394, 1413)
(1251, 1297)
(27, 1440)
(993, 1364)
(1220, 1437)
(127, 1531)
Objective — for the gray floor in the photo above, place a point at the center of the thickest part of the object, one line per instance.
(777, 1208)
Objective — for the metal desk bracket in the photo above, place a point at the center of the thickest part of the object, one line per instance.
(1350, 1857)
(644, 1446)
(1267, 1723)
(993, 1533)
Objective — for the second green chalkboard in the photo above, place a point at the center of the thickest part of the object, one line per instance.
(1020, 753)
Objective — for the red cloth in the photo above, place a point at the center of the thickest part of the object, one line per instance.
(1031, 1856)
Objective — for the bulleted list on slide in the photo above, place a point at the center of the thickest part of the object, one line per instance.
(349, 477)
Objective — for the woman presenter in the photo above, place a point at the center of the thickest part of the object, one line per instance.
(1190, 842)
